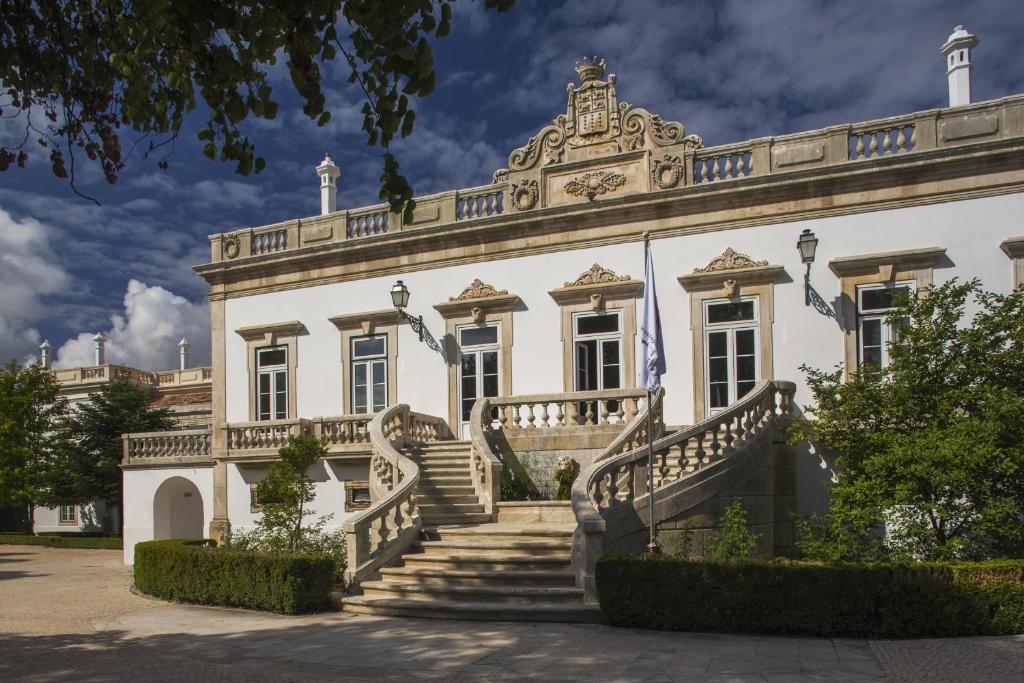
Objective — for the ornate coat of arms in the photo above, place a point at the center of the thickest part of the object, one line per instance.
(593, 110)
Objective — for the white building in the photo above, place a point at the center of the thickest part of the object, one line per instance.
(526, 293)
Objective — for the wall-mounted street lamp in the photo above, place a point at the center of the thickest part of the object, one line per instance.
(400, 298)
(807, 244)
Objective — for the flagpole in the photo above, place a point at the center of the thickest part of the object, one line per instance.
(652, 545)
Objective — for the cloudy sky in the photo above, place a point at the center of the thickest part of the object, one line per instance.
(729, 70)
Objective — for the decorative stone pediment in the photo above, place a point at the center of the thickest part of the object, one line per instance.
(597, 275)
(730, 260)
(596, 124)
(478, 290)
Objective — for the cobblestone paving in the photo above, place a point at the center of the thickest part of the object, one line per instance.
(67, 615)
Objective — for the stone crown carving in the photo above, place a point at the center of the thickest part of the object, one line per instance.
(597, 275)
(730, 260)
(478, 290)
(595, 119)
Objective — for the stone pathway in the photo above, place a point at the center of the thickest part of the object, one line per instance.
(66, 615)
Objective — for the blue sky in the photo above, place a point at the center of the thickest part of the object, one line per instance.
(728, 70)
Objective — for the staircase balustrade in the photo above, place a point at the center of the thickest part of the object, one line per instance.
(264, 438)
(621, 478)
(391, 525)
(570, 409)
(171, 447)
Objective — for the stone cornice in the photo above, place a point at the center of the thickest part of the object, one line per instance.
(1013, 247)
(620, 289)
(349, 321)
(927, 177)
(910, 259)
(454, 308)
(716, 279)
(290, 328)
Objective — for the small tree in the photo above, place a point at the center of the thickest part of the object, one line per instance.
(733, 540)
(88, 466)
(287, 490)
(32, 419)
(931, 446)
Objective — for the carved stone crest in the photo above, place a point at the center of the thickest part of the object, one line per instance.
(232, 246)
(730, 260)
(478, 290)
(524, 195)
(666, 172)
(591, 184)
(597, 275)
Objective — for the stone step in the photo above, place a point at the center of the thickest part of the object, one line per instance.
(445, 479)
(434, 498)
(445, 447)
(443, 519)
(541, 511)
(476, 562)
(501, 532)
(498, 547)
(504, 594)
(479, 577)
(428, 508)
(429, 488)
(536, 611)
(443, 465)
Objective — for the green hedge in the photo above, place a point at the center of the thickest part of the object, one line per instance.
(192, 571)
(782, 596)
(69, 541)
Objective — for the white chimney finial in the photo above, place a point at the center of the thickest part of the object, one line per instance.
(328, 172)
(44, 354)
(183, 347)
(100, 342)
(957, 51)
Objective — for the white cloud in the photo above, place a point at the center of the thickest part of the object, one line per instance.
(29, 270)
(146, 335)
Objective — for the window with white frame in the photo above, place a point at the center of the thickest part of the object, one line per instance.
(479, 365)
(874, 335)
(731, 350)
(369, 373)
(597, 345)
(272, 383)
(68, 514)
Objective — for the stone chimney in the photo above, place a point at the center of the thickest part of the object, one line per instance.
(328, 172)
(44, 354)
(183, 347)
(957, 51)
(100, 346)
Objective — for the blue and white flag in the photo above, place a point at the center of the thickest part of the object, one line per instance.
(652, 348)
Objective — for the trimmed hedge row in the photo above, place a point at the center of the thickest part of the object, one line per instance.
(196, 572)
(69, 541)
(789, 597)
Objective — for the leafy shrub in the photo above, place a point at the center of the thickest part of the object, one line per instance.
(788, 597)
(733, 540)
(313, 541)
(192, 571)
(66, 541)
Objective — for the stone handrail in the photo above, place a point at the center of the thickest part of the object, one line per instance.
(391, 525)
(186, 446)
(485, 465)
(635, 434)
(263, 438)
(622, 479)
(569, 409)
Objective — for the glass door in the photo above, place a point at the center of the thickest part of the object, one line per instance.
(479, 368)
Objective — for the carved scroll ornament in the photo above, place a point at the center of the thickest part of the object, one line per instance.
(524, 195)
(597, 275)
(591, 184)
(478, 290)
(730, 260)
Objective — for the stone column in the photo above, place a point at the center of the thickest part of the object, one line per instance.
(220, 525)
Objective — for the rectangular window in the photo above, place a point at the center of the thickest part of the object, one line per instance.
(272, 383)
(357, 495)
(254, 501)
(597, 341)
(874, 335)
(731, 344)
(369, 374)
(479, 365)
(68, 514)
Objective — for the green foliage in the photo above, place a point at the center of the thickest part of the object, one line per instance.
(933, 444)
(31, 420)
(88, 467)
(515, 480)
(733, 540)
(63, 541)
(846, 538)
(284, 496)
(565, 474)
(93, 66)
(786, 597)
(195, 572)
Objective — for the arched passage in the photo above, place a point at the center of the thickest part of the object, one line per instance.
(177, 510)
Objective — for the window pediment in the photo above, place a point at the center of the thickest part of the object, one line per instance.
(1013, 247)
(598, 281)
(728, 271)
(367, 321)
(291, 328)
(885, 263)
(478, 298)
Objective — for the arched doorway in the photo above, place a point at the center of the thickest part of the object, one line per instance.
(177, 510)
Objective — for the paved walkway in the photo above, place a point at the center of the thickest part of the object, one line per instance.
(67, 615)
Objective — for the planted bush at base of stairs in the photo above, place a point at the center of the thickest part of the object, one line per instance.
(68, 541)
(193, 571)
(789, 597)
